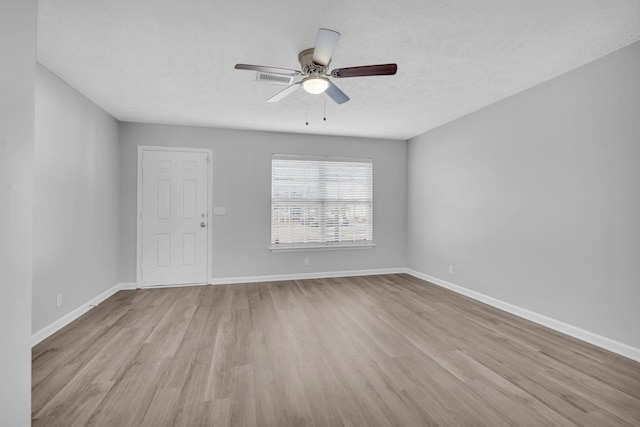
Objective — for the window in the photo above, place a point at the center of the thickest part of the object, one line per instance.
(321, 202)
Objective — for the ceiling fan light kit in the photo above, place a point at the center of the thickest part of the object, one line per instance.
(315, 85)
(314, 63)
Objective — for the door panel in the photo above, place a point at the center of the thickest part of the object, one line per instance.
(163, 207)
(174, 217)
(163, 251)
(188, 249)
(189, 200)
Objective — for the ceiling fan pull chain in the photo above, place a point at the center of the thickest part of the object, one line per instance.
(324, 107)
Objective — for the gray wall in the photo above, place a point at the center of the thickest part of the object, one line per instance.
(535, 200)
(18, 51)
(76, 200)
(242, 184)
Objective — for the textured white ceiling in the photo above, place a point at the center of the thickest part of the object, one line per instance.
(171, 61)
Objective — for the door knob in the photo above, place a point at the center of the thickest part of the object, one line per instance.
(203, 224)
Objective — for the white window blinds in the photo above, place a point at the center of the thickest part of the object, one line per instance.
(318, 202)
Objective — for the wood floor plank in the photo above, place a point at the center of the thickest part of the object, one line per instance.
(192, 409)
(389, 350)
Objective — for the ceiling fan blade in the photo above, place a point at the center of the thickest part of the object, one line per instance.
(284, 93)
(264, 69)
(366, 70)
(336, 94)
(325, 45)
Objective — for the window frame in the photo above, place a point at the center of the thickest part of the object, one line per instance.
(321, 246)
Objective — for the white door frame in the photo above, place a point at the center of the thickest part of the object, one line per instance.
(209, 153)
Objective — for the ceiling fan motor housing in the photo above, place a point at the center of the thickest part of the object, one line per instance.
(308, 66)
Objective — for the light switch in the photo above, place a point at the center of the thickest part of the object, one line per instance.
(218, 210)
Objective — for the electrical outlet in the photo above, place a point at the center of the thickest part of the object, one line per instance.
(306, 261)
(451, 269)
(58, 300)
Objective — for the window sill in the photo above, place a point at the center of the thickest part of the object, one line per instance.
(320, 247)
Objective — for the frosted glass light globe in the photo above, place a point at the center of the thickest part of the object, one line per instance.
(315, 85)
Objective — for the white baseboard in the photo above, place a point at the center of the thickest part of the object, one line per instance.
(302, 276)
(128, 286)
(273, 278)
(47, 331)
(179, 285)
(565, 328)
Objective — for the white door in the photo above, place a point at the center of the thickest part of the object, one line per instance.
(174, 218)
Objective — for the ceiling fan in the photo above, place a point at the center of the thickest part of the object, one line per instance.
(314, 63)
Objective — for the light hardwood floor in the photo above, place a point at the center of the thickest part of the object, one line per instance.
(363, 351)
